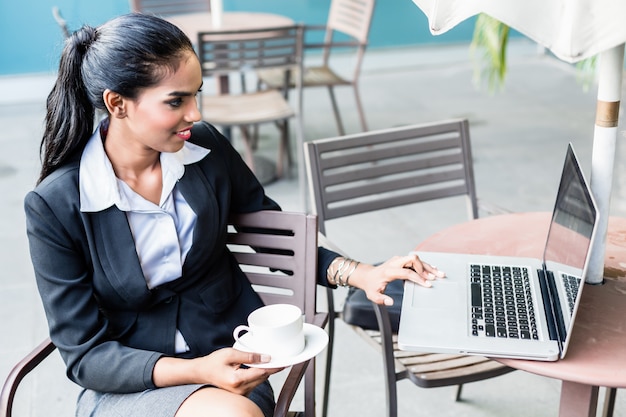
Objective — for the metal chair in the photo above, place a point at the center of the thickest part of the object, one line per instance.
(349, 21)
(284, 262)
(225, 53)
(382, 169)
(169, 7)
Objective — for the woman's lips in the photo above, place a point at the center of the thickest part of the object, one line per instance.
(184, 134)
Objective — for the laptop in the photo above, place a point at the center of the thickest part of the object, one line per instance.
(508, 307)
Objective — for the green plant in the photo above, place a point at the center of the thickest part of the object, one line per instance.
(491, 38)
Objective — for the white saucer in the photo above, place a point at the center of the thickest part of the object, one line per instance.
(315, 340)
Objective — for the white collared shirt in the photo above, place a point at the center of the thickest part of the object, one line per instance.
(162, 233)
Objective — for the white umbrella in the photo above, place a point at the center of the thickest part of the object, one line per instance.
(573, 30)
(217, 9)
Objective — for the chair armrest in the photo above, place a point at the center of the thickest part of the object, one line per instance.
(386, 336)
(320, 320)
(19, 371)
(289, 388)
(295, 376)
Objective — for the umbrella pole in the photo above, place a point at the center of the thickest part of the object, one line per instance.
(603, 157)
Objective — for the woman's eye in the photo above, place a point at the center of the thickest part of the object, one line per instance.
(176, 103)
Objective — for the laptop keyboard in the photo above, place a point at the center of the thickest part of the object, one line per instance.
(501, 304)
(571, 284)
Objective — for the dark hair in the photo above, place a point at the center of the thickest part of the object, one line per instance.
(125, 55)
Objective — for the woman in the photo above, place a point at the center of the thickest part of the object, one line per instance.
(127, 229)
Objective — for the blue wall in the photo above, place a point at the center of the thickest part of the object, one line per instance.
(32, 41)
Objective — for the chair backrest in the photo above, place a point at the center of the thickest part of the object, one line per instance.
(169, 7)
(352, 17)
(387, 168)
(233, 51)
(278, 252)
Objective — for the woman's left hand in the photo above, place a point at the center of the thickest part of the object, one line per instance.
(374, 279)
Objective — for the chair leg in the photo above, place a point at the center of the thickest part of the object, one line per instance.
(329, 349)
(384, 325)
(254, 137)
(284, 152)
(333, 101)
(359, 106)
(309, 392)
(459, 391)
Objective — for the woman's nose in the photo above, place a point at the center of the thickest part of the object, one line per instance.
(194, 114)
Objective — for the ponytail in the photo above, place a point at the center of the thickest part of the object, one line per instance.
(69, 113)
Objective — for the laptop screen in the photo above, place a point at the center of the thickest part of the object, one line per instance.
(572, 225)
(567, 248)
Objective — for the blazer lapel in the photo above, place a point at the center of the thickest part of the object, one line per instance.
(201, 197)
(113, 238)
(121, 266)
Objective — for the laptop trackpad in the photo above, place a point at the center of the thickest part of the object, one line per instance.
(442, 295)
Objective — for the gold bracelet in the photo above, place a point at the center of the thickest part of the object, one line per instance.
(343, 266)
(330, 276)
(340, 267)
(338, 277)
(356, 264)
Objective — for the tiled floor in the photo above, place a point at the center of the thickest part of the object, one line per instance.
(519, 138)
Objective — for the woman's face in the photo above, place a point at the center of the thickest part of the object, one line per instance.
(160, 118)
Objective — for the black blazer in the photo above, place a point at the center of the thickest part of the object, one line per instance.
(108, 326)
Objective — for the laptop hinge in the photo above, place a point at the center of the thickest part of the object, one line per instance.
(552, 306)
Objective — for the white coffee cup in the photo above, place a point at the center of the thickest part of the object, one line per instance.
(275, 330)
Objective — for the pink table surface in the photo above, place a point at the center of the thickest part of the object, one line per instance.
(597, 353)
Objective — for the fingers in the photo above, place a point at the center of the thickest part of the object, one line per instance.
(254, 358)
(424, 270)
(379, 298)
(258, 358)
(408, 267)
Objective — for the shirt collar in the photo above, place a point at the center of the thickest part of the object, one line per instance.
(97, 182)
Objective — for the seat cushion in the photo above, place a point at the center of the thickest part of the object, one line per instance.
(358, 310)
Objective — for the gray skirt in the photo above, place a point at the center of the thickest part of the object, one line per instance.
(160, 402)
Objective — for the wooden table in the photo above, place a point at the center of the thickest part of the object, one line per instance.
(597, 353)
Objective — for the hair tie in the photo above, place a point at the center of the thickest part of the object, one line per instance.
(85, 37)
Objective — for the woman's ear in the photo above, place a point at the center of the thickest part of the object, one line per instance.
(115, 103)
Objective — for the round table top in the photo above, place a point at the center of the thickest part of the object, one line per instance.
(194, 23)
(597, 353)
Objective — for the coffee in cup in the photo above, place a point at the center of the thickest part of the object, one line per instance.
(276, 330)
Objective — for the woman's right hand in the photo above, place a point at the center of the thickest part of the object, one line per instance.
(225, 365)
(223, 368)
